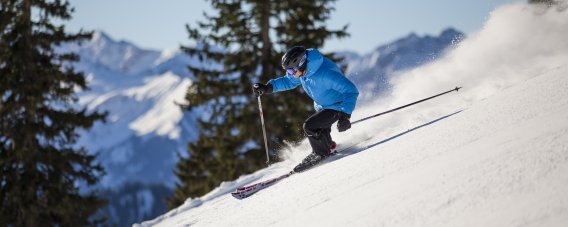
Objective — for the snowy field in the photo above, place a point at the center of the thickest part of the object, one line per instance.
(493, 154)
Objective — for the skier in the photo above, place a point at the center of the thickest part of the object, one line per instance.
(334, 97)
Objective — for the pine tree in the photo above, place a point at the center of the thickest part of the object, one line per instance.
(40, 165)
(241, 44)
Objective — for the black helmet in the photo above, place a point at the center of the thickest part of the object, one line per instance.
(294, 57)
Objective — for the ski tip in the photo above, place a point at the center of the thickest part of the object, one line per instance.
(238, 195)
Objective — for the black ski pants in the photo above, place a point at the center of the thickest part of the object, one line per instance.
(318, 128)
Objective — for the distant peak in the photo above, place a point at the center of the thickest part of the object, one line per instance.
(450, 32)
(412, 35)
(99, 35)
(101, 38)
(410, 38)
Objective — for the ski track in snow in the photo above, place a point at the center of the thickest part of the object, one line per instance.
(494, 154)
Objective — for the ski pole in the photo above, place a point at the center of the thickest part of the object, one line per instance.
(407, 105)
(263, 131)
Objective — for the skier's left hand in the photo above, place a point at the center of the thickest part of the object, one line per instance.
(343, 123)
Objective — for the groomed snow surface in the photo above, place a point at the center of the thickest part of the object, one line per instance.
(493, 154)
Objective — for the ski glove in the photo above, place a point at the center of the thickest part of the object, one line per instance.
(343, 123)
(259, 89)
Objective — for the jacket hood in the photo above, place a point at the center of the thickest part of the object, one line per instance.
(315, 60)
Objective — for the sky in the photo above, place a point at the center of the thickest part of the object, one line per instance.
(161, 24)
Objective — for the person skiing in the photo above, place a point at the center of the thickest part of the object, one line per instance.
(334, 97)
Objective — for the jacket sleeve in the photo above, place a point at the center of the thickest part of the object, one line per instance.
(350, 93)
(284, 83)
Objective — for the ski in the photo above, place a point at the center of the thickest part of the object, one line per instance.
(247, 191)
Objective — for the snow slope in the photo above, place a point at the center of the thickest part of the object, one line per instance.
(494, 154)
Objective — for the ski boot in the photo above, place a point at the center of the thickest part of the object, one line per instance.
(313, 159)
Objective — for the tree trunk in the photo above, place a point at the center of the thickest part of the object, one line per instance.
(266, 58)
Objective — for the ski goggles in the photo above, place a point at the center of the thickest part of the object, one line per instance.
(292, 71)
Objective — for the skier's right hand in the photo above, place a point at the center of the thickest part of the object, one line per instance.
(259, 89)
(343, 123)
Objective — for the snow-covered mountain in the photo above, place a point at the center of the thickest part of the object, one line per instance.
(139, 89)
(145, 128)
(373, 70)
(494, 154)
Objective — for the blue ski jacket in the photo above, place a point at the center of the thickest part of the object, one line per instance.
(323, 82)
